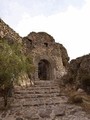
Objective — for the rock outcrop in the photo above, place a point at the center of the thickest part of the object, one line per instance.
(8, 33)
(79, 73)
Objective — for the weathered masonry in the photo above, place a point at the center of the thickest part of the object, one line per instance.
(50, 58)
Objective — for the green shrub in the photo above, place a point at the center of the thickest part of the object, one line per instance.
(13, 62)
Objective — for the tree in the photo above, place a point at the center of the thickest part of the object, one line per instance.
(12, 63)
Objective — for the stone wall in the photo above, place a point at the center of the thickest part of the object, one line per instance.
(42, 46)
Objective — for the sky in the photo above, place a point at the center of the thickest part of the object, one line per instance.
(68, 21)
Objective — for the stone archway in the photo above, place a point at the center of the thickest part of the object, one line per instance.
(44, 70)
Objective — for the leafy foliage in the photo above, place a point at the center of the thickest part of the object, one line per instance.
(13, 63)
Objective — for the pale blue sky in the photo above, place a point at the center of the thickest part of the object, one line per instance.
(12, 10)
(68, 21)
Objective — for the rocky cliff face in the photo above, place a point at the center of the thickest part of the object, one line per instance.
(8, 34)
(79, 73)
(65, 57)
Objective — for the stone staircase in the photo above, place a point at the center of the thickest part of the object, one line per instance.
(41, 94)
(41, 102)
(42, 97)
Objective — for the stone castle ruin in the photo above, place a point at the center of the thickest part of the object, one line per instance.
(50, 59)
(43, 100)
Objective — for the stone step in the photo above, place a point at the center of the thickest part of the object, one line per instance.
(44, 83)
(52, 86)
(37, 90)
(17, 88)
(38, 95)
(34, 104)
(33, 112)
(38, 101)
(45, 86)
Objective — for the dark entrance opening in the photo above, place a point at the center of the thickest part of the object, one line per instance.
(86, 85)
(44, 70)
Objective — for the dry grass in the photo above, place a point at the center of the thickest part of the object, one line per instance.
(81, 99)
(75, 98)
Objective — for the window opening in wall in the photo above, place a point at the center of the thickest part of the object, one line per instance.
(46, 44)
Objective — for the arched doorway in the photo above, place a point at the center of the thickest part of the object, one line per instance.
(44, 70)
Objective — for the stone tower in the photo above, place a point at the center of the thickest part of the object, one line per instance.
(50, 59)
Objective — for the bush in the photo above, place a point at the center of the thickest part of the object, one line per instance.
(13, 62)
